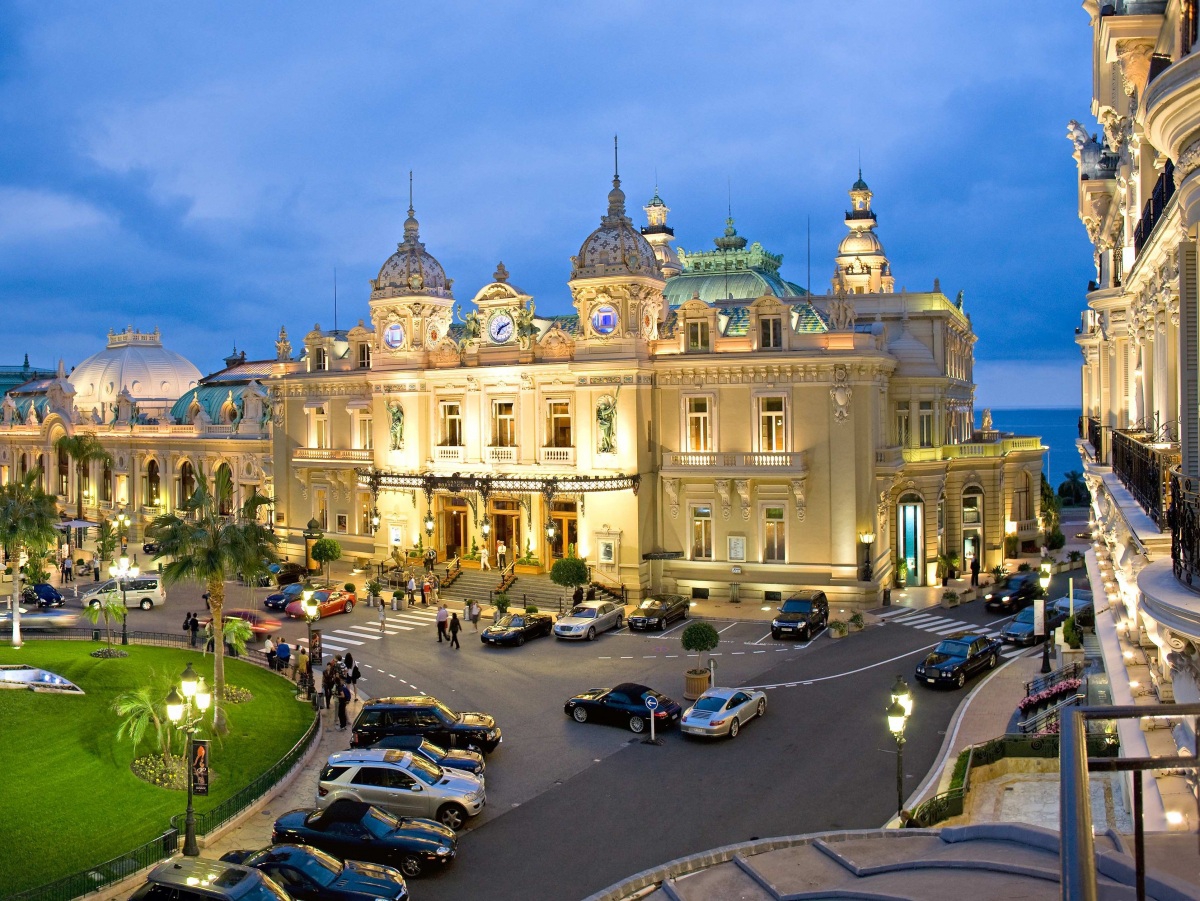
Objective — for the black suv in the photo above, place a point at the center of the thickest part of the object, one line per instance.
(802, 615)
(1015, 592)
(200, 879)
(428, 717)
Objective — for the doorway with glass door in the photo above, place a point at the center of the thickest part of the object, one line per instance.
(506, 529)
(453, 531)
(566, 529)
(910, 553)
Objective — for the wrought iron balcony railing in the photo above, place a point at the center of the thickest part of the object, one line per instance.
(1097, 437)
(1144, 466)
(1184, 520)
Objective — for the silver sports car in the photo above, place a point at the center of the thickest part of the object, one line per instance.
(723, 711)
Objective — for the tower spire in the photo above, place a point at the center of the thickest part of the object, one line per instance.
(616, 163)
(616, 197)
(410, 203)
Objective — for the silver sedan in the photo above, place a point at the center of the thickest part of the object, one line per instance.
(588, 619)
(723, 711)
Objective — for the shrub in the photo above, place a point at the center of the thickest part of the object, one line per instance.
(1024, 568)
(530, 608)
(1056, 539)
(959, 776)
(857, 620)
(374, 588)
(397, 595)
(569, 572)
(839, 626)
(950, 598)
(1071, 634)
(351, 587)
(501, 603)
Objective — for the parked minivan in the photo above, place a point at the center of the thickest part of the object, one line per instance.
(143, 591)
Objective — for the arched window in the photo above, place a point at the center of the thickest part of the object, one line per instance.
(187, 482)
(64, 472)
(106, 482)
(910, 539)
(153, 484)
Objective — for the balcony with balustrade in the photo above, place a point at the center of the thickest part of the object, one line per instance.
(556, 456)
(332, 456)
(501, 454)
(755, 462)
(1143, 465)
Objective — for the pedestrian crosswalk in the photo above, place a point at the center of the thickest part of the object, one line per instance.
(941, 625)
(338, 638)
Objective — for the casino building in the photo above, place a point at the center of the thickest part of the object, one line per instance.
(698, 423)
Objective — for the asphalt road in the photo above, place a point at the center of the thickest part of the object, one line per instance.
(573, 808)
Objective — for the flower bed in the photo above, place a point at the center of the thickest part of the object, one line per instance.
(1051, 695)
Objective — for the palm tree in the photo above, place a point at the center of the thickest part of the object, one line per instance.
(27, 518)
(1074, 487)
(84, 449)
(108, 606)
(141, 711)
(207, 548)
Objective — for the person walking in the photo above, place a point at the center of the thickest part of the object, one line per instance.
(283, 655)
(577, 596)
(68, 569)
(455, 627)
(343, 701)
(194, 628)
(473, 612)
(269, 650)
(443, 616)
(975, 571)
(352, 674)
(328, 682)
(426, 587)
(412, 589)
(300, 668)
(502, 554)
(483, 558)
(382, 617)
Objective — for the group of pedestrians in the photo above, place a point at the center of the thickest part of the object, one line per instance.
(339, 685)
(191, 625)
(429, 589)
(501, 556)
(448, 624)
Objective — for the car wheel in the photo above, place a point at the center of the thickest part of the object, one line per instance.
(620, 622)
(146, 604)
(761, 710)
(349, 606)
(734, 727)
(775, 634)
(662, 624)
(591, 634)
(580, 714)
(451, 816)
(520, 640)
(961, 680)
(992, 661)
(805, 635)
(93, 603)
(637, 725)
(410, 866)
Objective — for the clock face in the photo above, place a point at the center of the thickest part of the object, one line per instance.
(393, 336)
(604, 319)
(500, 327)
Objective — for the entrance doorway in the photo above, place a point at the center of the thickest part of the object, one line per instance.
(566, 528)
(453, 515)
(506, 528)
(910, 528)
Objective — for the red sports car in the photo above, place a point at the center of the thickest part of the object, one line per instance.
(260, 625)
(329, 601)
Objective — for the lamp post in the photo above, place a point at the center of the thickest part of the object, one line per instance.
(185, 708)
(1044, 582)
(897, 718)
(122, 571)
(311, 612)
(123, 530)
(867, 539)
(485, 528)
(429, 524)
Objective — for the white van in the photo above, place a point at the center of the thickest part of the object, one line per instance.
(144, 591)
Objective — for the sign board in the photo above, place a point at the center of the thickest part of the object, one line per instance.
(1039, 617)
(652, 702)
(315, 652)
(198, 766)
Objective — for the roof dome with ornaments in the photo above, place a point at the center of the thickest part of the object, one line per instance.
(616, 248)
(411, 270)
(136, 362)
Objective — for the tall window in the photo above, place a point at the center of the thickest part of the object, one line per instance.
(702, 537)
(971, 504)
(699, 424)
(504, 424)
(925, 423)
(770, 333)
(320, 359)
(319, 434)
(187, 482)
(770, 424)
(697, 336)
(364, 356)
(364, 514)
(152, 484)
(452, 424)
(1020, 502)
(64, 473)
(903, 427)
(559, 431)
(321, 508)
(366, 435)
(106, 482)
(774, 535)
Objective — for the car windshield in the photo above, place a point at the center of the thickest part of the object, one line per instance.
(1025, 616)
(710, 704)
(794, 606)
(428, 747)
(516, 622)
(584, 612)
(953, 648)
(318, 866)
(378, 823)
(320, 596)
(652, 606)
(446, 713)
(427, 772)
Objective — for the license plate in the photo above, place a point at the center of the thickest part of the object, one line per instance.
(930, 679)
(693, 730)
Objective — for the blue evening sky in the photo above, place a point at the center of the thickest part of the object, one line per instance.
(204, 168)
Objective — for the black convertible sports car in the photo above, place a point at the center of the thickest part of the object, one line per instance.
(309, 874)
(624, 705)
(656, 611)
(957, 658)
(352, 830)
(515, 628)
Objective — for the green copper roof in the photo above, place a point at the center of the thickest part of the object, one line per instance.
(736, 321)
(211, 399)
(743, 284)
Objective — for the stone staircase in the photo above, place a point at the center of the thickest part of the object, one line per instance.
(527, 589)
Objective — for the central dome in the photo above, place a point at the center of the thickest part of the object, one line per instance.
(411, 269)
(616, 248)
(858, 243)
(133, 361)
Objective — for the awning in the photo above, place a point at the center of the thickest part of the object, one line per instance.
(76, 524)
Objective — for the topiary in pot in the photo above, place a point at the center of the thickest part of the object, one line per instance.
(351, 587)
(530, 608)
(501, 604)
(838, 627)
(569, 572)
(701, 638)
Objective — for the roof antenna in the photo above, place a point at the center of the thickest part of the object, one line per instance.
(410, 205)
(335, 300)
(616, 166)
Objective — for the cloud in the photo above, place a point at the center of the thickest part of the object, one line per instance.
(29, 215)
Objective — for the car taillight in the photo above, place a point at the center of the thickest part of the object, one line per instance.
(660, 713)
(716, 722)
(322, 791)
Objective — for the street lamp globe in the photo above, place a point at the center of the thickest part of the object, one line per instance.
(486, 527)
(174, 705)
(308, 602)
(428, 523)
(896, 718)
(188, 682)
(551, 530)
(902, 695)
(1044, 578)
(203, 695)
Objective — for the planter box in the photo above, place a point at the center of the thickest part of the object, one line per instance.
(695, 684)
(834, 634)
(527, 569)
(468, 564)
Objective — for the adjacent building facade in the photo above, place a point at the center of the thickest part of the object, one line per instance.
(698, 422)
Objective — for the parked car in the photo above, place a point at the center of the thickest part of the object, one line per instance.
(262, 580)
(288, 573)
(309, 874)
(515, 628)
(471, 761)
(1014, 592)
(152, 547)
(403, 783)
(588, 619)
(43, 594)
(260, 624)
(1020, 630)
(1085, 611)
(428, 717)
(624, 705)
(202, 879)
(40, 620)
(280, 599)
(658, 610)
(329, 601)
(143, 591)
(802, 615)
(723, 711)
(352, 830)
(957, 658)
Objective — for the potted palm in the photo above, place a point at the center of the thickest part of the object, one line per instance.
(701, 638)
(374, 587)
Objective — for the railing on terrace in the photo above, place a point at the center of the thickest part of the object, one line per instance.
(1097, 436)
(1047, 721)
(333, 454)
(1184, 522)
(1152, 212)
(1041, 683)
(1144, 466)
(94, 878)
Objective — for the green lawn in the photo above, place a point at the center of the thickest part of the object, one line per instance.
(68, 799)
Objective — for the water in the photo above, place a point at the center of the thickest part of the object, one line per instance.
(1058, 429)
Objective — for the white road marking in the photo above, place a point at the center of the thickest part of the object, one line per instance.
(760, 652)
(957, 627)
(894, 611)
(761, 640)
(735, 653)
(682, 623)
(355, 634)
(727, 628)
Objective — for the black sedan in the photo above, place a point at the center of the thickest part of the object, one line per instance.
(515, 628)
(624, 705)
(657, 611)
(957, 658)
(153, 548)
(352, 830)
(312, 875)
(288, 573)
(1014, 593)
(43, 594)
(1020, 630)
(280, 599)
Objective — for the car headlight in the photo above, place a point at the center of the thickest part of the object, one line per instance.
(491, 733)
(442, 851)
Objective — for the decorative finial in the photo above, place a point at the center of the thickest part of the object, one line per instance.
(410, 199)
(616, 164)
(501, 274)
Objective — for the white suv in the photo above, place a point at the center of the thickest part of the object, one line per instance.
(403, 784)
(144, 592)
